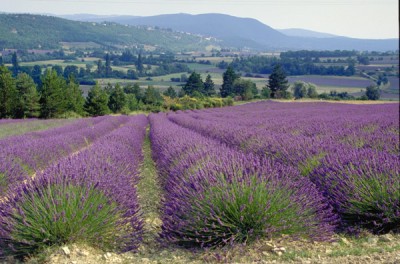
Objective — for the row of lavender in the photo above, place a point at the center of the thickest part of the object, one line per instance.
(90, 196)
(351, 152)
(215, 195)
(24, 155)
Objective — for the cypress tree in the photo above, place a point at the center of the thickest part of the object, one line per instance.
(15, 65)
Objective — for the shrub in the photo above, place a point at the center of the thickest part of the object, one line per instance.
(58, 213)
(216, 196)
(363, 186)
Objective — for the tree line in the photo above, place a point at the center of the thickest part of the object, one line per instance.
(57, 95)
(291, 65)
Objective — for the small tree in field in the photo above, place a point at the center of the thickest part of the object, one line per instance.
(373, 92)
(278, 83)
(299, 90)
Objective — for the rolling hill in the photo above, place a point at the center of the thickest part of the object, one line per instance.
(24, 31)
(247, 32)
(299, 32)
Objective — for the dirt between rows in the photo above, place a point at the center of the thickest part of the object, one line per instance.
(369, 249)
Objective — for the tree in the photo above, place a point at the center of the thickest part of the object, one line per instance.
(266, 92)
(117, 99)
(229, 77)
(1, 61)
(132, 75)
(100, 68)
(74, 97)
(194, 84)
(131, 102)
(244, 88)
(71, 70)
(127, 56)
(373, 92)
(135, 90)
(170, 92)
(312, 91)
(97, 101)
(152, 96)
(58, 69)
(278, 83)
(37, 75)
(15, 65)
(108, 69)
(52, 99)
(299, 89)
(209, 87)
(8, 93)
(28, 97)
(139, 64)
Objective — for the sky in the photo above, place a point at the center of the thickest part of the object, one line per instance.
(372, 19)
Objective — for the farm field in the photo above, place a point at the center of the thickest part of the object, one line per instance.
(12, 127)
(264, 182)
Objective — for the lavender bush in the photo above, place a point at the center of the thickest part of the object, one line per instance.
(350, 151)
(363, 187)
(22, 156)
(90, 197)
(216, 196)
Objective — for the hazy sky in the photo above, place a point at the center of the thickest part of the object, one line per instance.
(353, 18)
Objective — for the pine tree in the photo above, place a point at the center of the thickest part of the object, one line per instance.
(97, 101)
(8, 93)
(75, 99)
(229, 78)
(170, 92)
(152, 96)
(278, 83)
(209, 87)
(28, 97)
(117, 99)
(52, 99)
(194, 84)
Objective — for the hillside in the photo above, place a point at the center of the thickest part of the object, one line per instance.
(23, 31)
(299, 32)
(246, 32)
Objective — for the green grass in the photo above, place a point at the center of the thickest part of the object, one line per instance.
(19, 128)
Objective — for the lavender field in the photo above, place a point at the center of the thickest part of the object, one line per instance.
(229, 176)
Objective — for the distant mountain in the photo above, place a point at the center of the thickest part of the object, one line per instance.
(305, 33)
(24, 31)
(247, 32)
